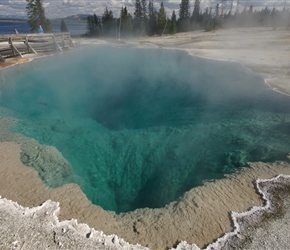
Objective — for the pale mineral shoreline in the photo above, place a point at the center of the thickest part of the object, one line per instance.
(200, 216)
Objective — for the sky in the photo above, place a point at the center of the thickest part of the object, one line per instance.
(63, 8)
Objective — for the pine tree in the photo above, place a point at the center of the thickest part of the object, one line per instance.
(63, 27)
(93, 25)
(127, 25)
(183, 22)
(206, 19)
(108, 22)
(152, 15)
(173, 28)
(217, 11)
(195, 17)
(184, 9)
(144, 8)
(90, 26)
(140, 20)
(97, 24)
(138, 10)
(150, 8)
(161, 19)
(36, 16)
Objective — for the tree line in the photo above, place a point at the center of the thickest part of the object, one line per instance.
(147, 20)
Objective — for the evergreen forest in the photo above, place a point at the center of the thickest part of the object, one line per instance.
(149, 20)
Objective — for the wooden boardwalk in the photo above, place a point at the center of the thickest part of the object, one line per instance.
(17, 45)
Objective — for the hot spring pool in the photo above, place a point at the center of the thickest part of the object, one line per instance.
(142, 126)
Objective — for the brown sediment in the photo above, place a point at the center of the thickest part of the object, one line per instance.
(13, 61)
(26, 58)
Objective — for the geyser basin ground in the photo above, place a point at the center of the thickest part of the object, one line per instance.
(142, 126)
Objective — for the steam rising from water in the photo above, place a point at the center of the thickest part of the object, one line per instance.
(142, 126)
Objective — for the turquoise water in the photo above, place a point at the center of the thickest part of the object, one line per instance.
(142, 126)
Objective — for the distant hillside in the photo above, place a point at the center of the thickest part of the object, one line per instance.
(12, 18)
(79, 17)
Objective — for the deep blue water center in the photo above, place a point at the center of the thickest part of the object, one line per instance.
(142, 126)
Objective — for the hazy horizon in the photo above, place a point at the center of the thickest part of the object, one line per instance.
(65, 8)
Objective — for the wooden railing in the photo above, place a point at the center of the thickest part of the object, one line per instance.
(18, 45)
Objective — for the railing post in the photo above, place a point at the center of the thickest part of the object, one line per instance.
(71, 42)
(55, 43)
(29, 47)
(14, 49)
(64, 45)
(2, 59)
(11, 45)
